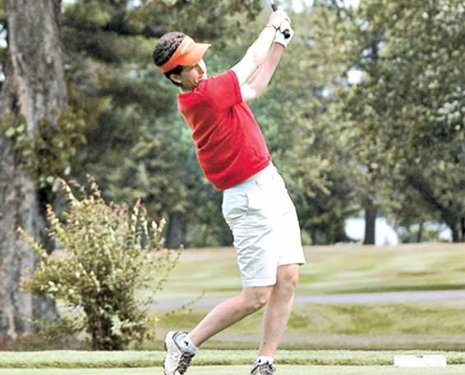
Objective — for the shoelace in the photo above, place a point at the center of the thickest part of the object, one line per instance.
(265, 369)
(184, 362)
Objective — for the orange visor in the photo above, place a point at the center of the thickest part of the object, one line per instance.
(188, 53)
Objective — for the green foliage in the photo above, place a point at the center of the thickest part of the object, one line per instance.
(402, 121)
(15, 128)
(412, 99)
(422, 232)
(109, 255)
(49, 152)
(56, 333)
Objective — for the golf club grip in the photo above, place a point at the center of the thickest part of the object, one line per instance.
(286, 33)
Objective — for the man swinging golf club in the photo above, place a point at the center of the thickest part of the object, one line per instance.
(233, 155)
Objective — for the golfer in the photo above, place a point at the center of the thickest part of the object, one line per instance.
(233, 155)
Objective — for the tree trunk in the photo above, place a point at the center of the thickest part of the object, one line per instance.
(370, 224)
(420, 232)
(176, 233)
(34, 89)
(458, 231)
(451, 212)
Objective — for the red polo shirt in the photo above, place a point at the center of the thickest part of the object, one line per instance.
(229, 144)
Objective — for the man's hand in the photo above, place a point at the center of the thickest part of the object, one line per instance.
(280, 36)
(277, 18)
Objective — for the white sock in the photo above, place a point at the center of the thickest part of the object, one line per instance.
(189, 343)
(263, 359)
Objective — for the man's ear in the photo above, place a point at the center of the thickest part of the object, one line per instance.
(175, 78)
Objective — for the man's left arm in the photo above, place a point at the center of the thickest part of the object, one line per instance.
(261, 78)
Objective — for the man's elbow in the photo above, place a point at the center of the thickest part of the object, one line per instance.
(252, 91)
(259, 88)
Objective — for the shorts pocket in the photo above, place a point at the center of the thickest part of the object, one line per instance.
(234, 206)
(257, 199)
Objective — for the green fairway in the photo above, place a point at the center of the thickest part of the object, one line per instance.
(425, 325)
(330, 270)
(242, 370)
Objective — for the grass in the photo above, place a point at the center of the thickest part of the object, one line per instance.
(354, 269)
(142, 359)
(372, 327)
(376, 329)
(210, 362)
(330, 270)
(240, 370)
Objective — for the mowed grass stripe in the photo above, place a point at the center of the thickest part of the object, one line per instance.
(140, 359)
(241, 370)
(330, 270)
(398, 326)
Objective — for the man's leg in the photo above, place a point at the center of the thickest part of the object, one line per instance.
(229, 312)
(278, 309)
(181, 347)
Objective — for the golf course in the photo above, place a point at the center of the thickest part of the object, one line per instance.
(263, 187)
(204, 277)
(337, 327)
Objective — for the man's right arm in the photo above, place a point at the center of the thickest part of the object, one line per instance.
(256, 68)
(258, 51)
(260, 80)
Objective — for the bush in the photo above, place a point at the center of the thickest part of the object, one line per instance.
(109, 267)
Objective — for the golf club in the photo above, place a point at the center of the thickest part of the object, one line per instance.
(274, 7)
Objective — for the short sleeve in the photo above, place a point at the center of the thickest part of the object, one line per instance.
(223, 90)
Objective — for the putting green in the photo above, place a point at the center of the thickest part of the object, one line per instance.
(243, 370)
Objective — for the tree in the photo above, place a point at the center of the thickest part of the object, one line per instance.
(411, 102)
(31, 99)
(402, 121)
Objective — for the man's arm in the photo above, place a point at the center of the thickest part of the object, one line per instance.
(259, 81)
(262, 77)
(257, 52)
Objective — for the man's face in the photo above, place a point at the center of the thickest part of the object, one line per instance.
(191, 76)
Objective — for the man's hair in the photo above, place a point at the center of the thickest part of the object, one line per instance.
(165, 48)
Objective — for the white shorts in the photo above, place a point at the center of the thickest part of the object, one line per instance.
(264, 224)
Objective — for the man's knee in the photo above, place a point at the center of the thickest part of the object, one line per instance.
(288, 276)
(256, 298)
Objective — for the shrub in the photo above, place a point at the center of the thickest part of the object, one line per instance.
(108, 268)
